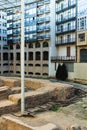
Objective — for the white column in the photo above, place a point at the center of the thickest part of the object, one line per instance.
(22, 59)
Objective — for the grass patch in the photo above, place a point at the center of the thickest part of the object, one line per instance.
(55, 108)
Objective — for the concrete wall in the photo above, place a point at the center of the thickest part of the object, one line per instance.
(80, 71)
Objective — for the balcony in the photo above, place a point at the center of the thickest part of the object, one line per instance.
(29, 32)
(66, 41)
(40, 20)
(46, 1)
(39, 12)
(66, 30)
(47, 19)
(46, 28)
(40, 37)
(40, 3)
(16, 26)
(9, 12)
(47, 10)
(66, 18)
(9, 20)
(47, 36)
(16, 33)
(58, 1)
(63, 58)
(28, 40)
(66, 7)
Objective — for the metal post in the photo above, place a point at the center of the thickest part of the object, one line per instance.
(22, 59)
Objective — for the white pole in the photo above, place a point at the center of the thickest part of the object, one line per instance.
(22, 59)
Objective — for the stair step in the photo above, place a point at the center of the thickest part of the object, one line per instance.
(17, 90)
(4, 92)
(6, 107)
(5, 103)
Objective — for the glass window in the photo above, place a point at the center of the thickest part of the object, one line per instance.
(37, 45)
(38, 56)
(30, 56)
(81, 37)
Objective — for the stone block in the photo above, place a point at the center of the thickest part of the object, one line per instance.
(74, 127)
(11, 82)
(1, 82)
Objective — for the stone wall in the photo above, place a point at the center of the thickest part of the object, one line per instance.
(51, 92)
(80, 72)
(13, 123)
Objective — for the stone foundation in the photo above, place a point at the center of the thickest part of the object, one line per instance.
(10, 123)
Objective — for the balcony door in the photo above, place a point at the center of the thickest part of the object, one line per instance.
(68, 51)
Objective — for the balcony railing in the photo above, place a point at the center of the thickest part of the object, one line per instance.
(66, 7)
(66, 30)
(40, 11)
(66, 41)
(63, 58)
(66, 19)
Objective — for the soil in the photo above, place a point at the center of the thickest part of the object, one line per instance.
(74, 113)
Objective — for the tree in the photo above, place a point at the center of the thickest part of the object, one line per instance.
(61, 72)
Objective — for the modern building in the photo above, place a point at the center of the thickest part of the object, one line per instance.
(82, 33)
(37, 38)
(4, 62)
(65, 41)
(51, 38)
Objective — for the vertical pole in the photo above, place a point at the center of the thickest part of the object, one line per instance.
(22, 59)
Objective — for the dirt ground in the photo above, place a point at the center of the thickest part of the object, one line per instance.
(73, 114)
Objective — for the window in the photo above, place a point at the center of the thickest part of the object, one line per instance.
(82, 23)
(31, 73)
(68, 38)
(17, 72)
(17, 56)
(45, 74)
(37, 73)
(30, 64)
(11, 47)
(17, 64)
(37, 64)
(5, 56)
(68, 51)
(38, 56)
(45, 55)
(17, 46)
(45, 65)
(30, 56)
(37, 45)
(25, 55)
(81, 37)
(11, 56)
(45, 44)
(30, 45)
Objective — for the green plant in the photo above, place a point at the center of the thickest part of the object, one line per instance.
(55, 108)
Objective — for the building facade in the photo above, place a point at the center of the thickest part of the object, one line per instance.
(4, 61)
(37, 38)
(55, 33)
(65, 32)
(82, 32)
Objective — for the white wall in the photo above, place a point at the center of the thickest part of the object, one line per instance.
(80, 71)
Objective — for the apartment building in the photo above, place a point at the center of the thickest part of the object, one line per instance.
(82, 33)
(65, 42)
(37, 38)
(51, 37)
(4, 62)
